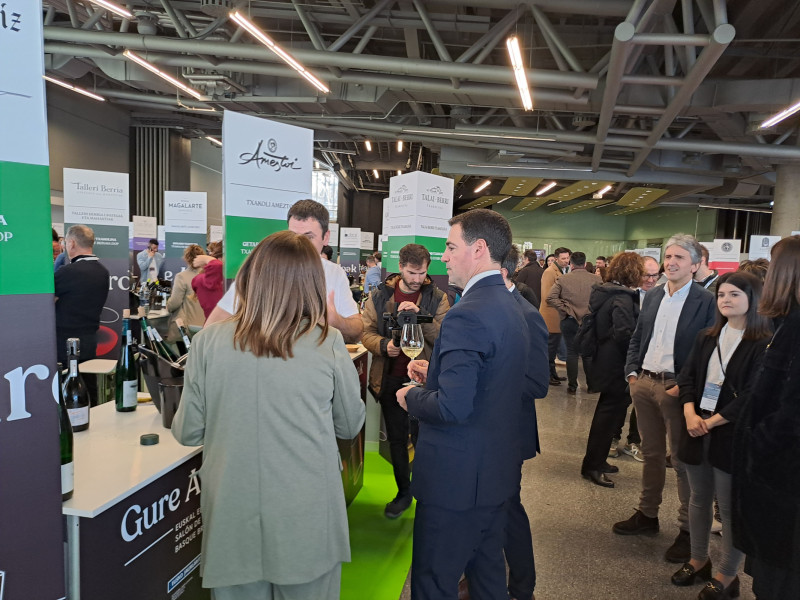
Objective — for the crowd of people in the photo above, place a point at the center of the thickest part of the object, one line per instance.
(706, 359)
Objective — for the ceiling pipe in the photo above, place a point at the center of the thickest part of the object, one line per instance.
(547, 28)
(498, 31)
(311, 58)
(441, 49)
(719, 41)
(356, 27)
(607, 8)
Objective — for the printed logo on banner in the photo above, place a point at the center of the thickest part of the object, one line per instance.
(10, 21)
(262, 158)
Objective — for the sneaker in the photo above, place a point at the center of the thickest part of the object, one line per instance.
(637, 524)
(558, 361)
(398, 506)
(613, 452)
(681, 549)
(716, 527)
(634, 451)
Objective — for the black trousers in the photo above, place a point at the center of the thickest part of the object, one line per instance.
(633, 429)
(553, 342)
(518, 549)
(611, 408)
(398, 427)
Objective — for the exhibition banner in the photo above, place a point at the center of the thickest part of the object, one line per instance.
(417, 211)
(144, 230)
(184, 225)
(723, 255)
(350, 250)
(266, 168)
(99, 199)
(761, 245)
(215, 233)
(31, 531)
(367, 248)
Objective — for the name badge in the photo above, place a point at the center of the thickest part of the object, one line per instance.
(710, 397)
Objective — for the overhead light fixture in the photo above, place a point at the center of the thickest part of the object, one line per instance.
(115, 8)
(519, 72)
(780, 116)
(399, 145)
(368, 144)
(503, 200)
(485, 135)
(262, 37)
(483, 186)
(375, 172)
(604, 190)
(399, 172)
(546, 188)
(153, 69)
(74, 88)
(214, 140)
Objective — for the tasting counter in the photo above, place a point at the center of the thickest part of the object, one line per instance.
(133, 523)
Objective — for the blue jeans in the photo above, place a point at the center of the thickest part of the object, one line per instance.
(569, 327)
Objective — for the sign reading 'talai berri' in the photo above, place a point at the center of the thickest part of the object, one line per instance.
(31, 543)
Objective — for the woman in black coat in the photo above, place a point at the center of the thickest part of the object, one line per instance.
(714, 384)
(766, 468)
(615, 305)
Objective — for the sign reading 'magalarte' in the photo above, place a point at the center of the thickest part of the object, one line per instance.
(184, 225)
(266, 168)
(416, 212)
(99, 199)
(31, 540)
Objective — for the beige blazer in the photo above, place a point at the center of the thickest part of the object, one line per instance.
(183, 303)
(550, 314)
(272, 499)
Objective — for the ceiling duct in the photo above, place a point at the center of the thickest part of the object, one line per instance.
(146, 23)
(216, 8)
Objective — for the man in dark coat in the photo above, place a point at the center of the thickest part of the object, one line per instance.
(530, 274)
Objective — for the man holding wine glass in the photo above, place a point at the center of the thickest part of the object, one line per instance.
(392, 349)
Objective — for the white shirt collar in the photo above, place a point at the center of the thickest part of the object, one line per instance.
(476, 278)
(681, 293)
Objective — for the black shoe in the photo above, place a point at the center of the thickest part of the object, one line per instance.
(554, 380)
(398, 506)
(592, 391)
(714, 590)
(681, 549)
(637, 524)
(687, 575)
(598, 478)
(607, 468)
(571, 390)
(561, 378)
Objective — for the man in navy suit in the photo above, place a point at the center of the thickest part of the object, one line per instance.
(466, 466)
(671, 317)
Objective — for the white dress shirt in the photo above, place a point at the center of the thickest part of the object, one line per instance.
(476, 278)
(660, 356)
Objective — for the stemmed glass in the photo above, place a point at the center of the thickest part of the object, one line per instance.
(412, 342)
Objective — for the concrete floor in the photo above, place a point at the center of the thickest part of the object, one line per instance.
(577, 554)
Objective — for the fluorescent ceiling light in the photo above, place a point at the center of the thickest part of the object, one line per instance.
(519, 72)
(368, 144)
(69, 86)
(282, 54)
(214, 140)
(485, 135)
(375, 172)
(153, 69)
(113, 8)
(604, 190)
(399, 172)
(526, 168)
(546, 188)
(503, 200)
(780, 116)
(483, 186)
(399, 145)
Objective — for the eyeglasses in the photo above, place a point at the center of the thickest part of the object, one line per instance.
(648, 276)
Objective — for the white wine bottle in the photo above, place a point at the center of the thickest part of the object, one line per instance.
(76, 394)
(127, 373)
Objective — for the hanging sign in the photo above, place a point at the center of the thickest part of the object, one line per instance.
(184, 225)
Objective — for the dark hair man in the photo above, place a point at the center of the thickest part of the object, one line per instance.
(555, 270)
(570, 297)
(671, 316)
(530, 274)
(705, 275)
(150, 261)
(413, 290)
(372, 278)
(310, 218)
(81, 289)
(600, 262)
(466, 465)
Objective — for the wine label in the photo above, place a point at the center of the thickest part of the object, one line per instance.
(186, 341)
(78, 416)
(129, 337)
(67, 477)
(158, 335)
(73, 367)
(129, 391)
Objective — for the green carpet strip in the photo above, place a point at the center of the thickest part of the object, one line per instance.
(381, 548)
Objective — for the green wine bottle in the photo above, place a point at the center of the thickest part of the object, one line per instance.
(66, 442)
(127, 374)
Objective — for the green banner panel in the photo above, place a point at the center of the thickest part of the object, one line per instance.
(26, 256)
(350, 259)
(110, 241)
(176, 243)
(435, 245)
(242, 234)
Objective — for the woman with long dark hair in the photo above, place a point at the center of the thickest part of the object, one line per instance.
(714, 385)
(766, 469)
(615, 305)
(267, 392)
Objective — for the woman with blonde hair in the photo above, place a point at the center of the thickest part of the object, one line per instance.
(183, 303)
(267, 392)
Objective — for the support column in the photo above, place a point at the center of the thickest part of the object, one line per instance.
(786, 210)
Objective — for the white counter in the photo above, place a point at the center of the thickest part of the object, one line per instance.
(111, 464)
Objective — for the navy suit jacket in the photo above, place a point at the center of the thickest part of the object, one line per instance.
(698, 312)
(468, 451)
(537, 376)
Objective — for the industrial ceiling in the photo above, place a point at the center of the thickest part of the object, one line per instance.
(660, 99)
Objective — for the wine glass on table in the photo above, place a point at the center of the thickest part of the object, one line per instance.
(412, 343)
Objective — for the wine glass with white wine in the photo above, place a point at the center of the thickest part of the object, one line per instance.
(412, 342)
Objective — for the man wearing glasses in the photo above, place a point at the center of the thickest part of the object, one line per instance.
(650, 278)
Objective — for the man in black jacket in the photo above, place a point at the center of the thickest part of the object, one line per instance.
(530, 274)
(670, 319)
